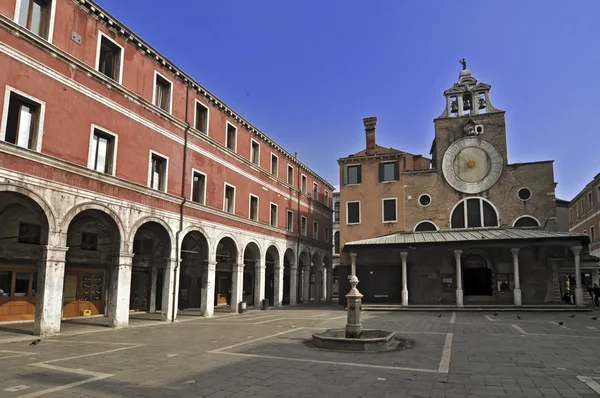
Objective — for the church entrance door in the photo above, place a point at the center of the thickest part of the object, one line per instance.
(477, 277)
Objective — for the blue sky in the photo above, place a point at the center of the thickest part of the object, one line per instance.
(313, 69)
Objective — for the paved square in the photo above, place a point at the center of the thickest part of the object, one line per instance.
(266, 354)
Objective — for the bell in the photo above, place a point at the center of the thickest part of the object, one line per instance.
(482, 103)
(453, 107)
(466, 104)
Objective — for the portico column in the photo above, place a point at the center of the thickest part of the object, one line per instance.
(318, 283)
(324, 273)
(459, 287)
(237, 285)
(153, 278)
(278, 286)
(306, 284)
(404, 256)
(329, 291)
(120, 290)
(169, 292)
(49, 291)
(207, 290)
(352, 264)
(259, 283)
(578, 289)
(517, 290)
(293, 285)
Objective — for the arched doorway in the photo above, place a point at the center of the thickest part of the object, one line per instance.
(288, 261)
(271, 263)
(23, 234)
(477, 276)
(315, 278)
(227, 256)
(151, 249)
(93, 239)
(251, 260)
(194, 260)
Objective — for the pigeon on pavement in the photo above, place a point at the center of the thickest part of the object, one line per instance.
(35, 342)
(439, 315)
(560, 323)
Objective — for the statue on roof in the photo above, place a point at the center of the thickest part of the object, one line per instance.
(463, 63)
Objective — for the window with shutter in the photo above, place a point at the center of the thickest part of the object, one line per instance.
(352, 174)
(388, 171)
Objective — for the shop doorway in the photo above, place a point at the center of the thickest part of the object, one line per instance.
(140, 282)
(477, 277)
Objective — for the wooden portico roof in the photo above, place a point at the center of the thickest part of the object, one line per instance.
(474, 236)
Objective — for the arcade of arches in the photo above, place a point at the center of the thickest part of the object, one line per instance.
(106, 267)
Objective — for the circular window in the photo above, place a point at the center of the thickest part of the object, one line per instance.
(524, 194)
(424, 200)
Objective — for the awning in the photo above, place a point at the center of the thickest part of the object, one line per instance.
(498, 235)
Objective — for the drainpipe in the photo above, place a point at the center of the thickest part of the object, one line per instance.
(183, 201)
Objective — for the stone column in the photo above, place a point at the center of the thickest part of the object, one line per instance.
(259, 283)
(278, 287)
(237, 286)
(404, 256)
(517, 290)
(578, 289)
(459, 287)
(306, 284)
(49, 291)
(170, 295)
(153, 279)
(208, 288)
(318, 283)
(329, 290)
(352, 264)
(293, 285)
(120, 290)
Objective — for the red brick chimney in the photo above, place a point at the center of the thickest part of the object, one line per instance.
(370, 123)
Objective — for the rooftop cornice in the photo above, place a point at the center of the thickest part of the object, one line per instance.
(119, 28)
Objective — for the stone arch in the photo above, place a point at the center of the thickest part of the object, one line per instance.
(227, 256)
(40, 201)
(194, 228)
(194, 254)
(425, 225)
(82, 207)
(229, 237)
(526, 221)
(303, 258)
(272, 264)
(147, 219)
(289, 256)
(254, 242)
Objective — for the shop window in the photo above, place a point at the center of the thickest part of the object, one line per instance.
(352, 174)
(143, 246)
(273, 217)
(254, 207)
(303, 225)
(336, 242)
(198, 187)
(35, 16)
(389, 210)
(89, 241)
(5, 283)
(389, 171)
(91, 287)
(505, 283)
(478, 213)
(352, 212)
(109, 58)
(103, 152)
(163, 90)
(255, 152)
(229, 200)
(231, 138)
(290, 221)
(158, 172)
(201, 119)
(274, 165)
(22, 124)
(22, 284)
(29, 233)
(336, 213)
(290, 176)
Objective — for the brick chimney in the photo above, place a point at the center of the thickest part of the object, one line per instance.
(370, 123)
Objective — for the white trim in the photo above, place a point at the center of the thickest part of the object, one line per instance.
(156, 74)
(481, 199)
(293, 173)
(225, 185)
(73, 84)
(419, 199)
(121, 58)
(203, 202)
(227, 124)
(250, 207)
(39, 134)
(305, 224)
(359, 212)
(425, 221)
(276, 174)
(115, 148)
(527, 216)
(530, 194)
(50, 21)
(291, 229)
(315, 235)
(196, 102)
(252, 140)
(383, 211)
(302, 179)
(152, 152)
(271, 214)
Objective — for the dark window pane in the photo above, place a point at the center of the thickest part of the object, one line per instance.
(353, 212)
(29, 233)
(473, 213)
(353, 177)
(5, 283)
(525, 222)
(389, 210)
(458, 216)
(389, 171)
(89, 241)
(490, 218)
(337, 211)
(425, 226)
(22, 284)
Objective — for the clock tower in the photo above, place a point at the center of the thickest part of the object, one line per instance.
(470, 137)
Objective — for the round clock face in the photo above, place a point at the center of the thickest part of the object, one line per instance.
(472, 165)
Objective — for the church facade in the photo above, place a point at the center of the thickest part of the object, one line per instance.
(463, 227)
